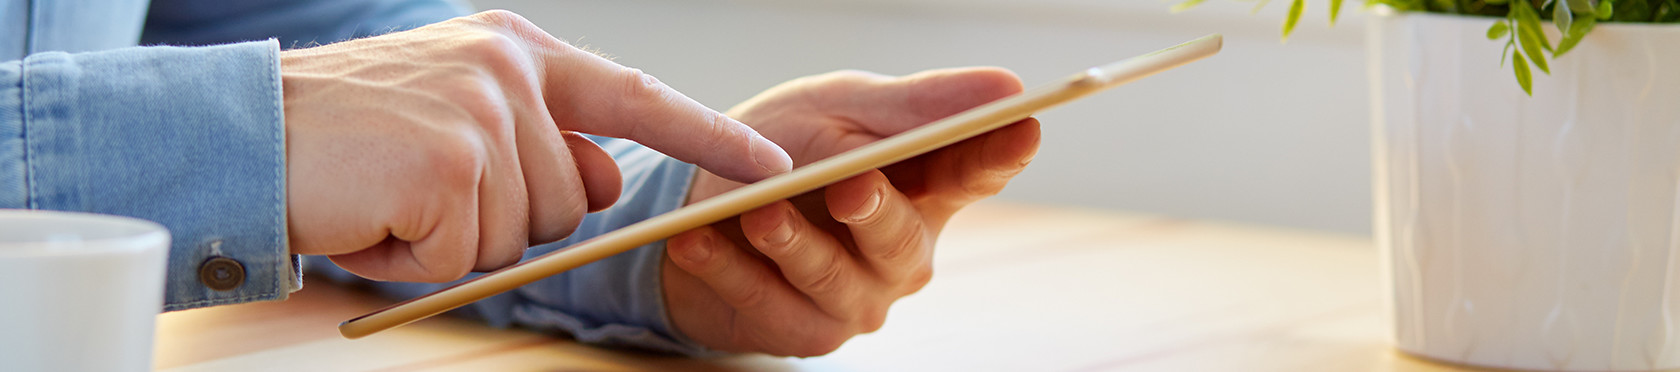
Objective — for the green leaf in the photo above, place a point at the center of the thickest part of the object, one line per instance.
(1523, 75)
(1258, 5)
(1572, 37)
(1534, 52)
(1605, 10)
(1562, 16)
(1532, 40)
(1295, 8)
(1186, 5)
(1498, 30)
(1528, 22)
(1400, 5)
(1335, 11)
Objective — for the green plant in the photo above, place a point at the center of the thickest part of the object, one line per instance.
(1520, 25)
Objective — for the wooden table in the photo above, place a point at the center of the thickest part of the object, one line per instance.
(1017, 287)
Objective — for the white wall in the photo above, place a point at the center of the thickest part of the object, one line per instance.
(1264, 133)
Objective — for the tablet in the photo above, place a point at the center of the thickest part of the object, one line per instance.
(875, 155)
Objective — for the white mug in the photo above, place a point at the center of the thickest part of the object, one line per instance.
(79, 292)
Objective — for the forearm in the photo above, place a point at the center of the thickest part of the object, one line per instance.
(191, 138)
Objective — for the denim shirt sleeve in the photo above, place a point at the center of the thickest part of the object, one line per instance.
(191, 138)
(616, 301)
(296, 23)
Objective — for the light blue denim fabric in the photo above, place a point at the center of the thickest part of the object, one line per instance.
(28, 26)
(193, 138)
(296, 23)
(188, 137)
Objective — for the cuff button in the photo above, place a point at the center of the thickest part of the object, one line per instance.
(221, 273)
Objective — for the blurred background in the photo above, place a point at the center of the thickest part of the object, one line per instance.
(1266, 132)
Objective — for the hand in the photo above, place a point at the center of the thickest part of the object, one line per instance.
(421, 155)
(800, 277)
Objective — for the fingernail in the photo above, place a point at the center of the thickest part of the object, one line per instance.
(868, 208)
(770, 157)
(781, 234)
(700, 250)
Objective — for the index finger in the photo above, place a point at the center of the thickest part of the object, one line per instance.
(587, 93)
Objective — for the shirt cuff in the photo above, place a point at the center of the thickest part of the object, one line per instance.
(192, 138)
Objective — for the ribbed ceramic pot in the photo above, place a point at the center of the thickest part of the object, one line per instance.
(1528, 232)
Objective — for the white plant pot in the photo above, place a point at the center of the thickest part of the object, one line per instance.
(1528, 232)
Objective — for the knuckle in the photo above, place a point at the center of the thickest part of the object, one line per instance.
(750, 295)
(510, 40)
(720, 125)
(640, 90)
(499, 133)
(458, 159)
(492, 116)
(723, 135)
(900, 249)
(795, 247)
(828, 278)
(499, 17)
(496, 50)
(696, 239)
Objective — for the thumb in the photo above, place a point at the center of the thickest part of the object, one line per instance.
(898, 104)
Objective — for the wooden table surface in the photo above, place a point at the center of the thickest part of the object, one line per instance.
(1016, 287)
